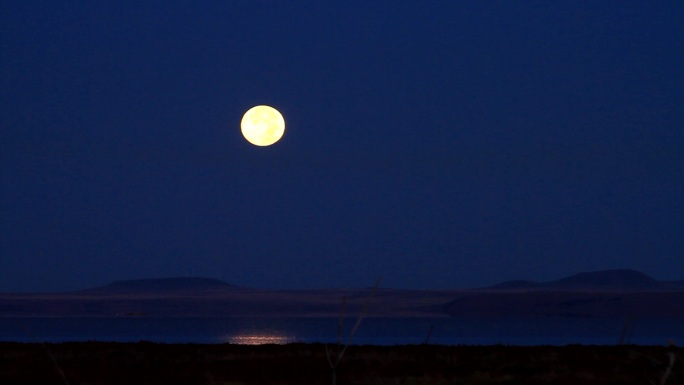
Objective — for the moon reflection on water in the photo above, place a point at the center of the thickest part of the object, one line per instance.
(258, 339)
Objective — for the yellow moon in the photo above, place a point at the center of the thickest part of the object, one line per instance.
(262, 125)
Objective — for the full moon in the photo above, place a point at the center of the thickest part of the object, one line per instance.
(262, 125)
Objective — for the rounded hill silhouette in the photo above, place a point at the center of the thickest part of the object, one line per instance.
(612, 280)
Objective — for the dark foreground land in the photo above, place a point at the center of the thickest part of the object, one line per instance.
(150, 363)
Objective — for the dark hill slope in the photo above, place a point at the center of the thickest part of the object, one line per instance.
(606, 280)
(619, 293)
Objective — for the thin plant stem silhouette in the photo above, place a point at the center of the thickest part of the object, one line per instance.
(335, 355)
(49, 353)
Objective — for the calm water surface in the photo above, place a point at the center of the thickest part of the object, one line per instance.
(376, 331)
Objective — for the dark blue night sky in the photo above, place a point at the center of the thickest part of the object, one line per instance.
(435, 144)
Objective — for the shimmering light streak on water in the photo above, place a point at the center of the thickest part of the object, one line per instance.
(258, 339)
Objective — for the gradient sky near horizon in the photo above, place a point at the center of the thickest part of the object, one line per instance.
(435, 144)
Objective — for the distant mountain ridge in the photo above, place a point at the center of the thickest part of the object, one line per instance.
(168, 285)
(607, 294)
(605, 280)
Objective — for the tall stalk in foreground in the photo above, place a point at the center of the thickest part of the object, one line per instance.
(335, 355)
(49, 354)
(668, 371)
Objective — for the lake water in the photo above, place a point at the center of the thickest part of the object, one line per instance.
(375, 331)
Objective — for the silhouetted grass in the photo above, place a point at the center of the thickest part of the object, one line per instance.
(149, 363)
